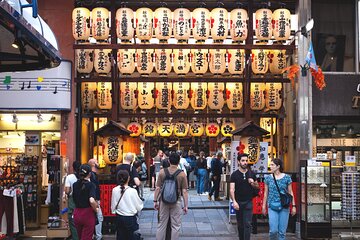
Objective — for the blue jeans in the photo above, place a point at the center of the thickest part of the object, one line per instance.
(200, 180)
(125, 227)
(278, 222)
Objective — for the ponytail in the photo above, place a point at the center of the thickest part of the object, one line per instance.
(122, 179)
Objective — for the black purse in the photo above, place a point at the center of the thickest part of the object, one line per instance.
(285, 198)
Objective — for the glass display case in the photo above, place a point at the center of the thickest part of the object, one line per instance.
(315, 179)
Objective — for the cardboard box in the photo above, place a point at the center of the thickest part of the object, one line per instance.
(61, 232)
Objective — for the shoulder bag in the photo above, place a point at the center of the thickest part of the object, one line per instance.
(285, 198)
(120, 198)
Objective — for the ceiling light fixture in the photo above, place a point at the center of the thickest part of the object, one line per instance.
(15, 118)
(39, 118)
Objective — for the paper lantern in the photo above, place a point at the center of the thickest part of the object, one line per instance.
(181, 129)
(163, 61)
(281, 24)
(102, 61)
(81, 24)
(149, 129)
(181, 61)
(198, 95)
(88, 96)
(144, 17)
(259, 61)
(126, 61)
(163, 23)
(199, 61)
(134, 128)
(112, 149)
(277, 61)
(128, 99)
(104, 98)
(196, 129)
(145, 95)
(216, 95)
(217, 63)
(181, 95)
(212, 129)
(251, 146)
(234, 95)
(182, 28)
(236, 61)
(266, 124)
(238, 24)
(273, 99)
(165, 129)
(163, 95)
(227, 128)
(125, 24)
(257, 96)
(219, 24)
(144, 60)
(263, 24)
(84, 61)
(201, 24)
(99, 156)
(100, 23)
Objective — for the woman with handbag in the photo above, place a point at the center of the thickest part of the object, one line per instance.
(278, 196)
(126, 204)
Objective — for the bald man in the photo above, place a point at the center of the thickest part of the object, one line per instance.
(126, 165)
(94, 179)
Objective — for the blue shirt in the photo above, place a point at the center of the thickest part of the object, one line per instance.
(273, 193)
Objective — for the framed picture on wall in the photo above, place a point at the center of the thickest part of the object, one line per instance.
(329, 52)
(32, 139)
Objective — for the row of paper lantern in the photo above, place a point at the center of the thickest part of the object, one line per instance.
(179, 24)
(181, 95)
(180, 129)
(180, 60)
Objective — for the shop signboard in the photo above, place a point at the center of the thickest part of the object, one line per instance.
(48, 89)
(233, 156)
(350, 161)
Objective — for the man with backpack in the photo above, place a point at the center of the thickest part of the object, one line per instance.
(170, 186)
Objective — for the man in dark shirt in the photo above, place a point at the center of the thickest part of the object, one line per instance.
(216, 170)
(242, 185)
(94, 179)
(134, 181)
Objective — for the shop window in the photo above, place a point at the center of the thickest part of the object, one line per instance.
(334, 34)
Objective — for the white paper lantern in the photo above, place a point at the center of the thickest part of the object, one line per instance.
(199, 61)
(163, 95)
(144, 17)
(234, 95)
(163, 61)
(281, 24)
(100, 23)
(277, 61)
(145, 95)
(182, 27)
(128, 99)
(219, 24)
(201, 24)
(81, 24)
(88, 96)
(126, 61)
(125, 24)
(257, 96)
(84, 61)
(163, 24)
(181, 95)
(216, 95)
(236, 61)
(181, 61)
(259, 61)
(102, 61)
(217, 63)
(198, 95)
(104, 98)
(273, 99)
(263, 24)
(238, 24)
(144, 61)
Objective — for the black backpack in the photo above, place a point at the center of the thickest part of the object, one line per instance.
(169, 190)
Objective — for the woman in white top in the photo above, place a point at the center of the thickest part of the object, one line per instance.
(126, 204)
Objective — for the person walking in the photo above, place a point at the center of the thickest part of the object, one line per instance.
(242, 187)
(201, 173)
(86, 206)
(216, 172)
(68, 197)
(143, 175)
(126, 204)
(171, 210)
(278, 216)
(94, 179)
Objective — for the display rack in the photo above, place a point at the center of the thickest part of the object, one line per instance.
(315, 179)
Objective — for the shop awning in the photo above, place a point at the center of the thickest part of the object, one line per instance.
(249, 128)
(112, 128)
(36, 44)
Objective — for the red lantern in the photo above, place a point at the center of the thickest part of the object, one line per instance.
(219, 24)
(182, 28)
(81, 24)
(163, 24)
(125, 24)
(100, 23)
(238, 25)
